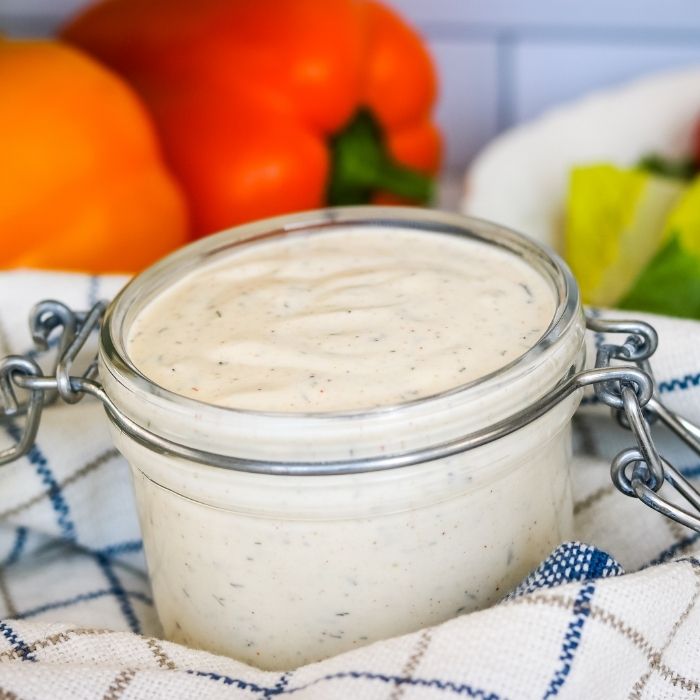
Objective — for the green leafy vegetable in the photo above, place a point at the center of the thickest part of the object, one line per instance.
(633, 239)
(682, 168)
(670, 284)
(614, 227)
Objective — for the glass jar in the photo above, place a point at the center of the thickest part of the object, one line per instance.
(281, 539)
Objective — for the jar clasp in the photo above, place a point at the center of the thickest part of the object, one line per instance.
(23, 372)
(641, 471)
(628, 388)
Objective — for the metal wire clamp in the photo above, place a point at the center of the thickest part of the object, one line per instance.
(627, 388)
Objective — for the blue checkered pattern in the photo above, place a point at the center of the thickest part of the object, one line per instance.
(572, 561)
(71, 567)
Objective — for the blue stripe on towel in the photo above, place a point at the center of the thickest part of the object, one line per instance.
(687, 381)
(572, 640)
(17, 547)
(119, 593)
(80, 598)
(674, 549)
(450, 687)
(114, 550)
(37, 458)
(17, 643)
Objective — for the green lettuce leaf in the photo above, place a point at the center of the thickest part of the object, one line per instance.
(670, 284)
(682, 168)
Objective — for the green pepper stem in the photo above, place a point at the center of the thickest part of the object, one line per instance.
(361, 166)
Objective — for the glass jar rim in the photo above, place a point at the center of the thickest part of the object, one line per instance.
(188, 258)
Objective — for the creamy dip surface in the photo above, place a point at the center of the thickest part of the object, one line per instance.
(353, 319)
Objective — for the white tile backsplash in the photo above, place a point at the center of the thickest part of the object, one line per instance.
(468, 97)
(518, 15)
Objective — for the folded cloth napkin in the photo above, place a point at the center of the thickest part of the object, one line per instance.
(77, 619)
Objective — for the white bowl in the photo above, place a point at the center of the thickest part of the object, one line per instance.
(520, 178)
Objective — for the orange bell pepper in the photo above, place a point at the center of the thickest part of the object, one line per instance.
(271, 106)
(82, 184)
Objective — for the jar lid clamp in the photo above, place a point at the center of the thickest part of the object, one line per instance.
(629, 389)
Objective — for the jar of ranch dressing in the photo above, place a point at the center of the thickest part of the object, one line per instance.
(345, 338)
(348, 424)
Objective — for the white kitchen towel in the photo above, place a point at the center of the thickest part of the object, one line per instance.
(77, 619)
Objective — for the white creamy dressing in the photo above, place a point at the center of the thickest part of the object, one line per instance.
(348, 320)
(278, 571)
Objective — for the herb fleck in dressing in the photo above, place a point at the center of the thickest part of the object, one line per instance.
(350, 320)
